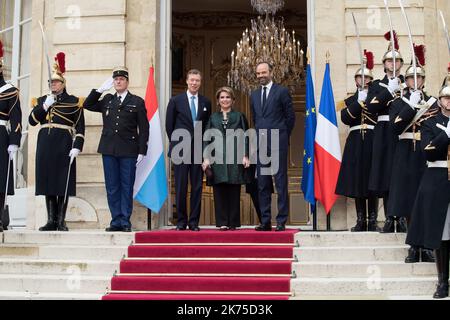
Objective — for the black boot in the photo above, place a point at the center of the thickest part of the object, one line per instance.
(62, 209)
(442, 261)
(427, 255)
(372, 225)
(389, 225)
(402, 225)
(361, 220)
(413, 255)
(52, 207)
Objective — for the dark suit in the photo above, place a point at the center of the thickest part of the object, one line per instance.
(179, 117)
(124, 137)
(278, 113)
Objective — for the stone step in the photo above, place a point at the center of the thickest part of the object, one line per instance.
(352, 239)
(66, 252)
(69, 284)
(355, 269)
(57, 267)
(380, 253)
(98, 238)
(368, 286)
(5, 295)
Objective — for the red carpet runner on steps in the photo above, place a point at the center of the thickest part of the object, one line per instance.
(206, 265)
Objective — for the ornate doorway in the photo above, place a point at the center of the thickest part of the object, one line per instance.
(204, 33)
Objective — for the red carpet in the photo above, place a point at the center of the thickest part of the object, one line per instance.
(206, 265)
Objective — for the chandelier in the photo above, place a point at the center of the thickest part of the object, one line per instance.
(266, 41)
(267, 6)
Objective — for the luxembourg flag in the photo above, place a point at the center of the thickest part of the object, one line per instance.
(150, 187)
(327, 151)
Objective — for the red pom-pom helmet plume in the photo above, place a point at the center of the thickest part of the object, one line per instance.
(370, 64)
(61, 60)
(387, 36)
(420, 54)
(1, 49)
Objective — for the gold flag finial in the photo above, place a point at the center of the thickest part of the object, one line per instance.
(328, 56)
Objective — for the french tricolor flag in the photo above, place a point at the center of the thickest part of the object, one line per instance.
(327, 148)
(150, 187)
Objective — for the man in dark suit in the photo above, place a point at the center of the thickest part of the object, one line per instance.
(123, 143)
(272, 111)
(185, 113)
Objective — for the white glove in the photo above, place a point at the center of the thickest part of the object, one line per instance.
(49, 101)
(12, 149)
(394, 85)
(415, 98)
(362, 95)
(106, 86)
(74, 153)
(139, 159)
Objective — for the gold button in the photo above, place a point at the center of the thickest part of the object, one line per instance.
(117, 131)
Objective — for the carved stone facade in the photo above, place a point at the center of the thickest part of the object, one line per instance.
(97, 36)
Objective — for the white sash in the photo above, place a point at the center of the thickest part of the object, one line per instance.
(6, 87)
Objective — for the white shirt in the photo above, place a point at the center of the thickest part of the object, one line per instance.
(269, 86)
(122, 96)
(190, 95)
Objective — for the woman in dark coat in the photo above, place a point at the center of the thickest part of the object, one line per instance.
(353, 181)
(10, 113)
(430, 223)
(228, 169)
(60, 141)
(409, 160)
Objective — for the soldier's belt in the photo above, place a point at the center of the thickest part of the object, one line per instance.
(383, 118)
(362, 127)
(410, 136)
(437, 164)
(58, 126)
(3, 123)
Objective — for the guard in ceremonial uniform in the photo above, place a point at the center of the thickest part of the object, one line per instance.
(123, 143)
(407, 114)
(353, 181)
(381, 94)
(10, 135)
(60, 141)
(430, 223)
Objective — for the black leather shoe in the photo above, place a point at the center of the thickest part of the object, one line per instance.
(413, 255)
(280, 227)
(127, 229)
(113, 229)
(427, 255)
(263, 227)
(402, 225)
(180, 228)
(194, 228)
(389, 225)
(441, 291)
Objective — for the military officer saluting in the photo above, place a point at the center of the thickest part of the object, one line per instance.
(353, 178)
(10, 116)
(407, 115)
(381, 94)
(123, 143)
(431, 213)
(60, 141)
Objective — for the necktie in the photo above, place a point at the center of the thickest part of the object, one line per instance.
(264, 99)
(193, 110)
(120, 100)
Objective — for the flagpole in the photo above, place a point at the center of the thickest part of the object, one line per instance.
(314, 213)
(329, 221)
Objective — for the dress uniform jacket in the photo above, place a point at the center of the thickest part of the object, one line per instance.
(433, 197)
(62, 129)
(354, 174)
(11, 113)
(125, 124)
(409, 160)
(384, 141)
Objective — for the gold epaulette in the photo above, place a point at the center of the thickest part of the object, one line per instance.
(34, 102)
(341, 105)
(81, 102)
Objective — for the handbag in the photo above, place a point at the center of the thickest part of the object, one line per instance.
(209, 173)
